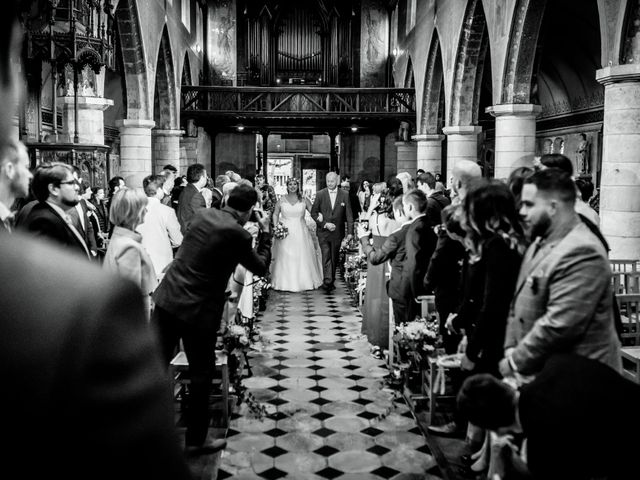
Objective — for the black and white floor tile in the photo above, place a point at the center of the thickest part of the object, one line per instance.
(329, 415)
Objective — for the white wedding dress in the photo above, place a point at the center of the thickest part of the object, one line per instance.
(296, 264)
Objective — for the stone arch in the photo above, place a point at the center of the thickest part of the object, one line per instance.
(133, 58)
(472, 52)
(409, 78)
(164, 99)
(432, 108)
(186, 71)
(523, 40)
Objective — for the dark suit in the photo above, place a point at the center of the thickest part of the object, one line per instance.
(80, 363)
(435, 204)
(330, 241)
(190, 201)
(398, 287)
(579, 417)
(420, 244)
(43, 221)
(216, 198)
(87, 232)
(191, 297)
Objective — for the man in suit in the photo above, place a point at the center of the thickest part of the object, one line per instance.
(160, 230)
(169, 172)
(392, 250)
(420, 244)
(217, 194)
(191, 200)
(563, 300)
(81, 361)
(577, 415)
(330, 210)
(56, 190)
(436, 199)
(14, 179)
(80, 218)
(191, 297)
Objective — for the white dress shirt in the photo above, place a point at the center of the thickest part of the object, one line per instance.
(332, 196)
(160, 234)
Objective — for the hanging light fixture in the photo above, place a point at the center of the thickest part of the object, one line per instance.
(354, 128)
(240, 127)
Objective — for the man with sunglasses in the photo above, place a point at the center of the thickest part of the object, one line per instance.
(56, 190)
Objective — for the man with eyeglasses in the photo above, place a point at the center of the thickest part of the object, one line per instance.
(56, 190)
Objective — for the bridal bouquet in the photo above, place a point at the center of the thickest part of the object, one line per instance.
(280, 231)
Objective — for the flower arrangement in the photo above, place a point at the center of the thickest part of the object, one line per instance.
(419, 336)
(280, 231)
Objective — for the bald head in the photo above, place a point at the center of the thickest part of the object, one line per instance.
(464, 171)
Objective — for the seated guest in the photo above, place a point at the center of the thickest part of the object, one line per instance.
(577, 417)
(125, 254)
(393, 250)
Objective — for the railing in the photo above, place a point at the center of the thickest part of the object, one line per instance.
(92, 160)
(299, 101)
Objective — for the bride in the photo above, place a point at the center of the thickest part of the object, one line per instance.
(296, 264)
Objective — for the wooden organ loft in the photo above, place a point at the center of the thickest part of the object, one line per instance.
(294, 42)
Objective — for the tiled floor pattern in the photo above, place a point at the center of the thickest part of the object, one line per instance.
(329, 417)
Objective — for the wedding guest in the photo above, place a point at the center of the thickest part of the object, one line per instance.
(375, 310)
(14, 179)
(516, 181)
(268, 197)
(377, 190)
(407, 181)
(364, 195)
(102, 213)
(125, 254)
(169, 172)
(191, 199)
(191, 298)
(81, 362)
(436, 200)
(80, 217)
(585, 191)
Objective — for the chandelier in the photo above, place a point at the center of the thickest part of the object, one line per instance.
(73, 34)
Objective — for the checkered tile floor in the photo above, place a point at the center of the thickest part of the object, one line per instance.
(329, 417)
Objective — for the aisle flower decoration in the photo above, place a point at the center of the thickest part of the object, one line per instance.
(419, 336)
(280, 231)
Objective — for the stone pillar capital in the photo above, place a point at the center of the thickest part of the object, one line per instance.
(87, 103)
(135, 123)
(167, 133)
(428, 138)
(515, 110)
(401, 144)
(462, 130)
(618, 73)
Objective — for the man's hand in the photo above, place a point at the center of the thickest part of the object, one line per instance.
(505, 368)
(320, 217)
(448, 324)
(330, 226)
(466, 363)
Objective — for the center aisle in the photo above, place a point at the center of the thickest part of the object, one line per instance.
(329, 416)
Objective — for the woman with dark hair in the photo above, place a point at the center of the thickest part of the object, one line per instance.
(364, 195)
(296, 265)
(516, 181)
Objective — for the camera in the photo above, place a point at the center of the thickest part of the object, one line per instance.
(365, 224)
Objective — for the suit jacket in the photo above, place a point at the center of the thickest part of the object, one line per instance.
(194, 286)
(43, 221)
(216, 198)
(84, 226)
(556, 412)
(82, 362)
(563, 303)
(435, 204)
(191, 200)
(420, 244)
(444, 275)
(160, 234)
(338, 215)
(392, 250)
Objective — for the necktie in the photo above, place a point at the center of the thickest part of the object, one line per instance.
(332, 197)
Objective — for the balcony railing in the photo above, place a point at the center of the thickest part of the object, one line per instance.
(299, 101)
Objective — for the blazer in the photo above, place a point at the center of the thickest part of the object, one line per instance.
(193, 289)
(338, 215)
(160, 234)
(190, 201)
(435, 204)
(84, 226)
(43, 221)
(563, 303)
(127, 257)
(444, 275)
(420, 244)
(216, 198)
(392, 250)
(82, 362)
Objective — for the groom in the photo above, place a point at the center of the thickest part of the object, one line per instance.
(330, 211)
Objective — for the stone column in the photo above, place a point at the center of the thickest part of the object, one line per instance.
(515, 136)
(620, 182)
(462, 144)
(407, 157)
(135, 150)
(166, 148)
(429, 152)
(90, 118)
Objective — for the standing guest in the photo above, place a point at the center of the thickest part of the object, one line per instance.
(563, 299)
(585, 192)
(377, 191)
(207, 193)
(180, 184)
(102, 213)
(516, 180)
(56, 190)
(554, 412)
(115, 184)
(267, 195)
(436, 200)
(392, 250)
(406, 180)
(14, 179)
(73, 346)
(420, 243)
(125, 254)
(169, 172)
(419, 172)
(226, 190)
(375, 310)
(160, 230)
(217, 193)
(364, 196)
(331, 211)
(191, 199)
(191, 297)
(345, 186)
(80, 218)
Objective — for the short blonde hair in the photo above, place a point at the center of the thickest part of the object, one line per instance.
(126, 207)
(379, 187)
